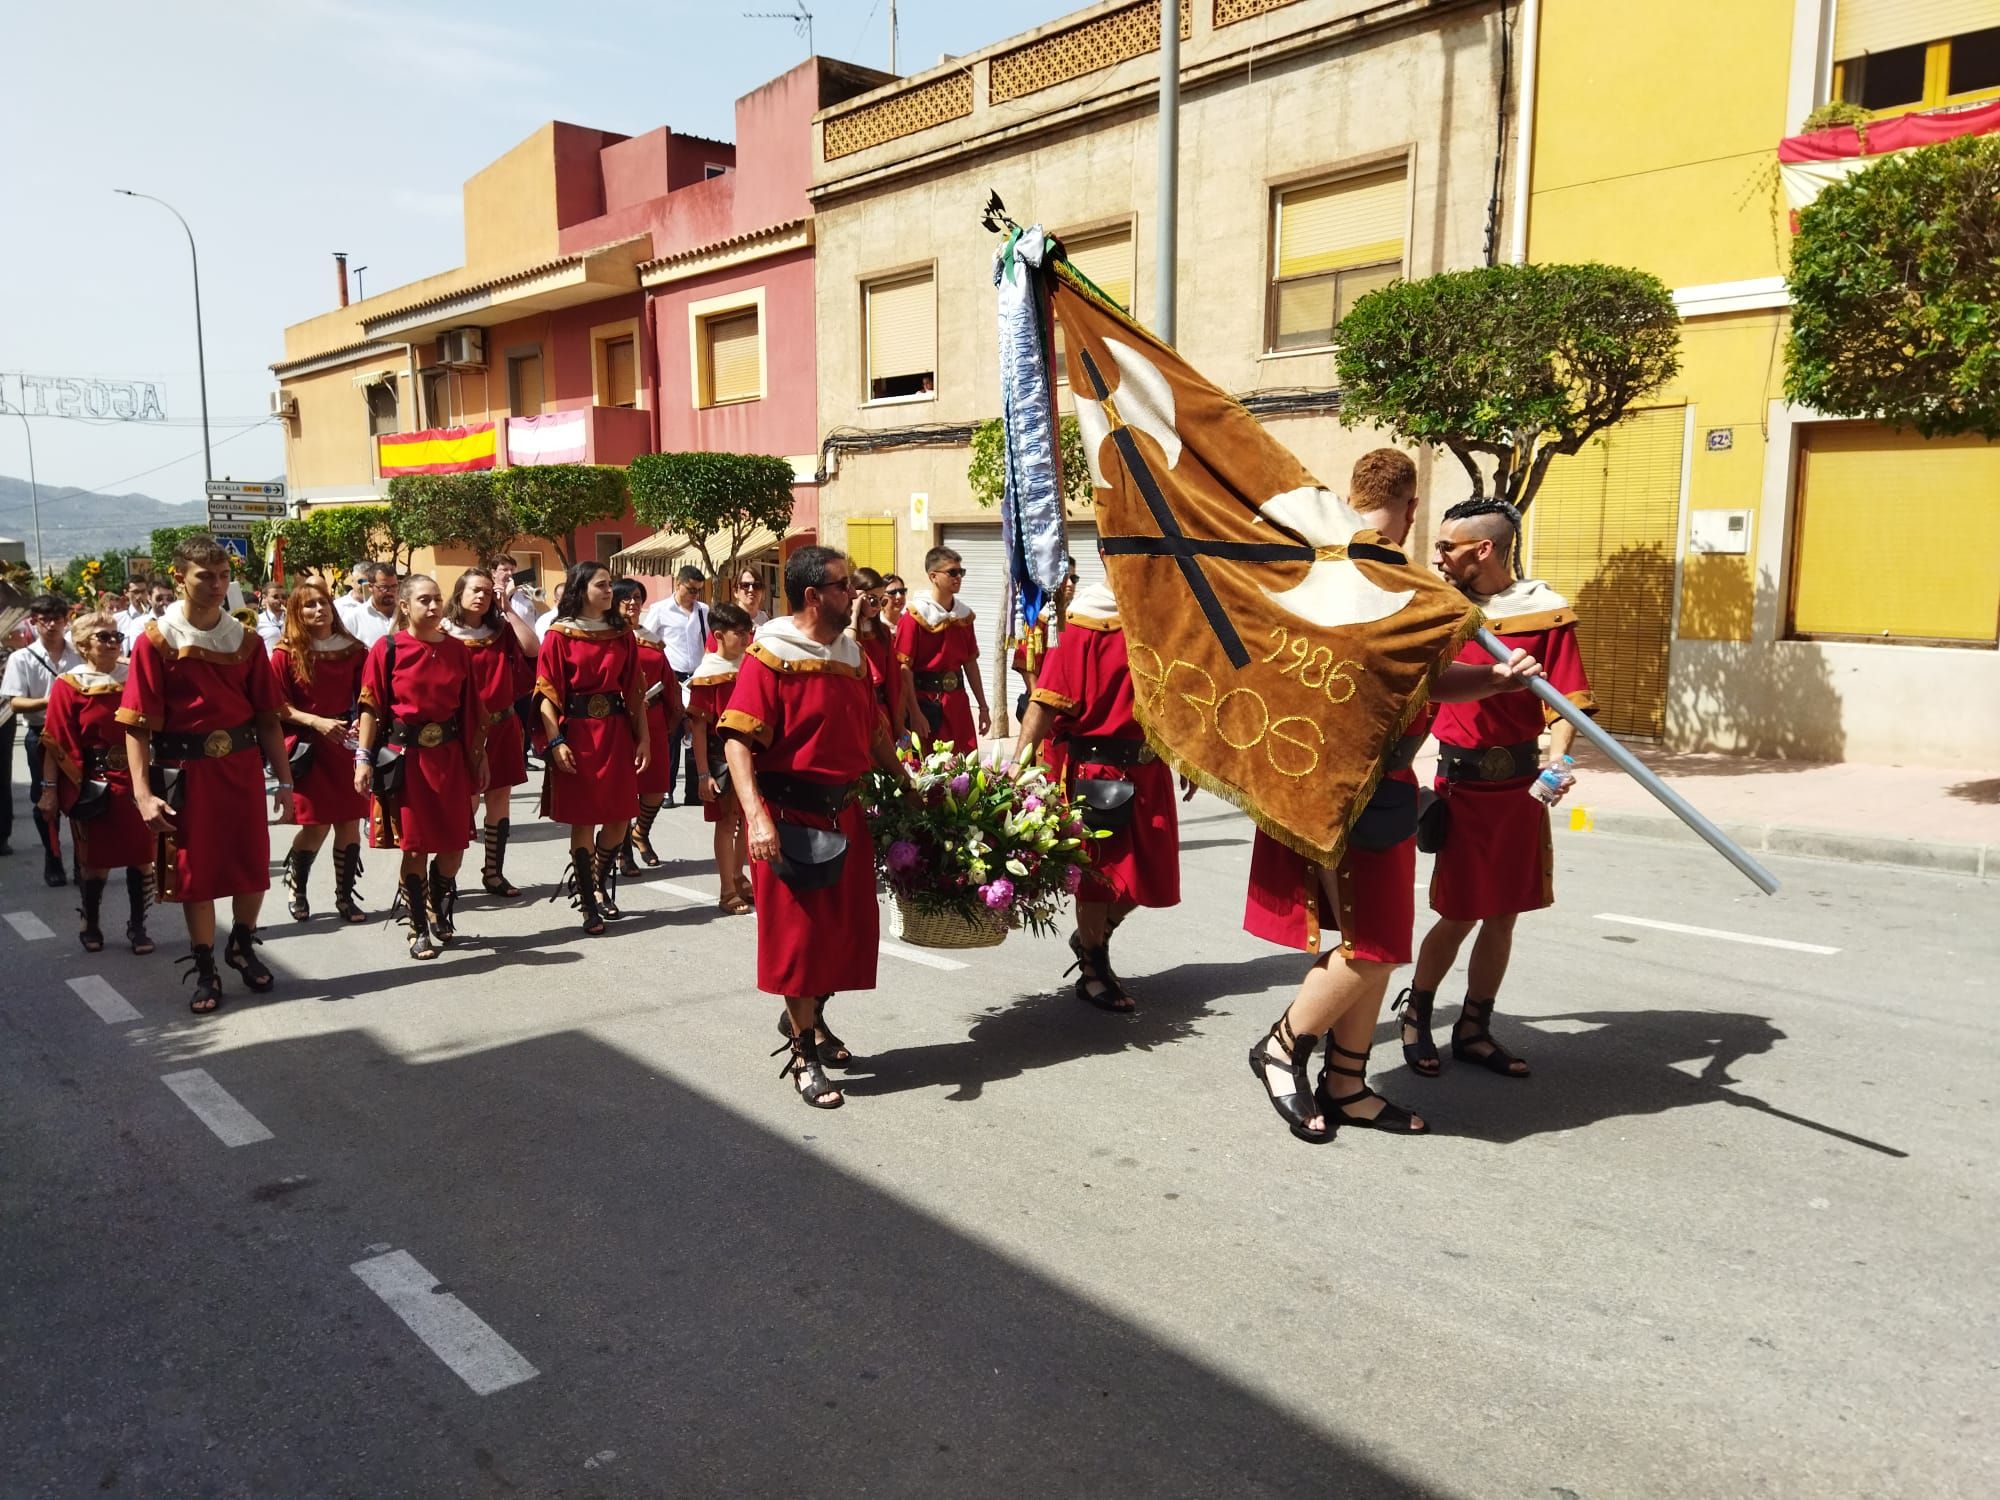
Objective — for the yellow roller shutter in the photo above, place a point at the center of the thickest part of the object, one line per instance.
(1106, 260)
(1895, 536)
(1602, 532)
(735, 373)
(871, 543)
(902, 327)
(1862, 26)
(1330, 226)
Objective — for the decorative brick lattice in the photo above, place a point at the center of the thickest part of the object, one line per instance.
(899, 115)
(1131, 31)
(1229, 12)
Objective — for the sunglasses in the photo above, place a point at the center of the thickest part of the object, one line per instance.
(952, 572)
(875, 599)
(898, 593)
(747, 583)
(844, 585)
(107, 638)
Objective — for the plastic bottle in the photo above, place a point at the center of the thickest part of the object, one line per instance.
(1553, 782)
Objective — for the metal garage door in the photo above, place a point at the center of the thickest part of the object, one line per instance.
(985, 591)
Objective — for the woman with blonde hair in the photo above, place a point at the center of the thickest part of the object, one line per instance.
(318, 667)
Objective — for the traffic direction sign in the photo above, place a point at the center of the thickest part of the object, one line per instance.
(272, 491)
(220, 515)
(236, 505)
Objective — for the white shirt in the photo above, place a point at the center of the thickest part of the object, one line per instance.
(543, 622)
(367, 625)
(134, 626)
(28, 675)
(520, 603)
(684, 632)
(347, 604)
(270, 625)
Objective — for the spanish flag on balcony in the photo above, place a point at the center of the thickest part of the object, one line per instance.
(439, 450)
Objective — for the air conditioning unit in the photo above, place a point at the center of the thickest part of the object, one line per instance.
(284, 404)
(462, 346)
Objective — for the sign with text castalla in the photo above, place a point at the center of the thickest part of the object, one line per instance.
(81, 396)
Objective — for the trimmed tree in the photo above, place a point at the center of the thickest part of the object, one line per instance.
(717, 500)
(987, 473)
(553, 500)
(453, 510)
(1507, 364)
(332, 537)
(1895, 285)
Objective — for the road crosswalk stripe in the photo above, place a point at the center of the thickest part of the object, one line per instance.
(28, 925)
(450, 1330)
(112, 1008)
(216, 1108)
(1716, 932)
(917, 956)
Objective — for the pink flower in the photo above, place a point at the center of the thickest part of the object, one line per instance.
(961, 784)
(999, 895)
(1073, 878)
(904, 857)
(1031, 803)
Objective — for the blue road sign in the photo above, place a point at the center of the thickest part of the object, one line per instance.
(238, 545)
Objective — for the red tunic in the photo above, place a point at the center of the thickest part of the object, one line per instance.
(222, 840)
(812, 719)
(1085, 683)
(662, 716)
(433, 686)
(1498, 857)
(708, 699)
(580, 663)
(501, 674)
(85, 741)
(885, 674)
(325, 793)
(948, 646)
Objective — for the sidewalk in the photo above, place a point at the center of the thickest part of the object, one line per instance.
(1920, 816)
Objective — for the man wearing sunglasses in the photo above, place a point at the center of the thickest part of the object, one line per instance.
(25, 686)
(935, 639)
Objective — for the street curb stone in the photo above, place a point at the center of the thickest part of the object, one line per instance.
(1982, 861)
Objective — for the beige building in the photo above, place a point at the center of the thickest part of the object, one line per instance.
(1327, 146)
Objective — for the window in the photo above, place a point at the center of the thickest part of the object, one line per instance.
(607, 545)
(1858, 576)
(731, 358)
(1895, 56)
(382, 407)
(1105, 259)
(621, 373)
(437, 397)
(1332, 242)
(899, 321)
(524, 384)
(871, 543)
(712, 169)
(1975, 62)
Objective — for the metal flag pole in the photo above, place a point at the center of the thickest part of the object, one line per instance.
(1169, 130)
(1631, 765)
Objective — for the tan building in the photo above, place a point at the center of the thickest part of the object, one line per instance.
(1327, 146)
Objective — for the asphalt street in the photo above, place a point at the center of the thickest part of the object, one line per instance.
(540, 1218)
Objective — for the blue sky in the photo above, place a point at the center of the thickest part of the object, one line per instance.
(287, 129)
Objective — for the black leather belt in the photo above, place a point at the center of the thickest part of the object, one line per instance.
(1107, 750)
(593, 705)
(1494, 763)
(1403, 754)
(802, 794)
(99, 758)
(442, 732)
(213, 745)
(939, 682)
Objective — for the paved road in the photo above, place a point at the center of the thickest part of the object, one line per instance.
(539, 1219)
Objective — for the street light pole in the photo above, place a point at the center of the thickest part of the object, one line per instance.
(34, 495)
(200, 358)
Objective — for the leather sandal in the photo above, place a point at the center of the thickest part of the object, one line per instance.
(240, 953)
(207, 996)
(1478, 1016)
(842, 1053)
(1297, 1107)
(807, 1075)
(1392, 1118)
(1093, 969)
(1421, 1056)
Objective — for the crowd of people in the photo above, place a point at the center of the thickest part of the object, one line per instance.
(405, 713)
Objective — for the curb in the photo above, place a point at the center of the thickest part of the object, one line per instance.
(1981, 861)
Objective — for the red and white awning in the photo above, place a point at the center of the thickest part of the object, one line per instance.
(1810, 164)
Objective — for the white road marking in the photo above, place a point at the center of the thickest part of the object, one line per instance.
(28, 925)
(216, 1108)
(917, 956)
(1716, 932)
(685, 892)
(112, 1008)
(450, 1330)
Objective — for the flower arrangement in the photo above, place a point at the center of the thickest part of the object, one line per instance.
(993, 845)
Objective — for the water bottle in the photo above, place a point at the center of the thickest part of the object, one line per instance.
(1553, 782)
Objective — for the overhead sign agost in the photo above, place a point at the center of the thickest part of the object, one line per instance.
(81, 396)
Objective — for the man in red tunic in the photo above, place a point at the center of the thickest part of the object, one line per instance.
(199, 701)
(1083, 697)
(801, 731)
(936, 643)
(1497, 860)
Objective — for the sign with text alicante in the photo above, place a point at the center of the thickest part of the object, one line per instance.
(81, 396)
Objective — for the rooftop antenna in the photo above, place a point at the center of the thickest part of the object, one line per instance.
(799, 16)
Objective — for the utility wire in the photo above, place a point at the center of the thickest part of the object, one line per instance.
(113, 484)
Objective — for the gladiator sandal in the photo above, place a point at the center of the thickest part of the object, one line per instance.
(642, 832)
(444, 897)
(1420, 1055)
(298, 869)
(582, 883)
(1096, 984)
(627, 865)
(91, 936)
(138, 891)
(1296, 1107)
(834, 1051)
(808, 1075)
(1390, 1117)
(346, 871)
(416, 912)
(207, 996)
(240, 953)
(605, 863)
(1475, 1030)
(491, 875)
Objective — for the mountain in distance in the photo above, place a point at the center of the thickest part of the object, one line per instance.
(81, 523)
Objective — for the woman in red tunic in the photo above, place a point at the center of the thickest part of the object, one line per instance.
(421, 679)
(877, 640)
(709, 692)
(503, 670)
(592, 705)
(663, 721)
(318, 667)
(86, 743)
(936, 641)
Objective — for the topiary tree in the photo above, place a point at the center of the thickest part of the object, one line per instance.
(453, 510)
(553, 500)
(162, 542)
(1510, 364)
(331, 537)
(1895, 285)
(987, 473)
(717, 500)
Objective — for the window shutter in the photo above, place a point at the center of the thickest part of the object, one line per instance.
(871, 543)
(734, 373)
(621, 382)
(1106, 259)
(1863, 26)
(1355, 221)
(902, 332)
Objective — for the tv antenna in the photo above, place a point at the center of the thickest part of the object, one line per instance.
(799, 16)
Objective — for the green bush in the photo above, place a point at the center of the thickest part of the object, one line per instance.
(453, 510)
(986, 475)
(717, 500)
(553, 500)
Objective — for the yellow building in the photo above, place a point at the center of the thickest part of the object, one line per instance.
(1753, 576)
